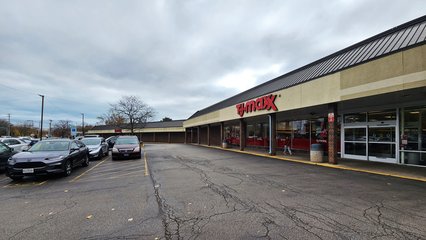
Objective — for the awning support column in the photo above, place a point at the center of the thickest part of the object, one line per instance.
(332, 131)
(243, 126)
(272, 134)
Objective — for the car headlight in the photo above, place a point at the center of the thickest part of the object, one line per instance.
(137, 149)
(55, 158)
(11, 161)
(115, 150)
(94, 150)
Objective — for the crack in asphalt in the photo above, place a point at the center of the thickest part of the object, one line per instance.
(68, 204)
(374, 214)
(318, 220)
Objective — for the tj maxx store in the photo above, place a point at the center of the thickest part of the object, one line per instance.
(365, 102)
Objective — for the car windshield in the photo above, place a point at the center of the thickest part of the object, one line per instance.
(91, 141)
(50, 146)
(3, 148)
(121, 141)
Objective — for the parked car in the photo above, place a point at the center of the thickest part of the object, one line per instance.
(17, 144)
(92, 135)
(97, 147)
(126, 147)
(48, 157)
(29, 140)
(111, 140)
(5, 153)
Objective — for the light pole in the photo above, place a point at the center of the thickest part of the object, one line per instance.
(8, 129)
(41, 122)
(50, 128)
(82, 123)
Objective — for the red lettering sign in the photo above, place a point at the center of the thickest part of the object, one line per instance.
(330, 117)
(262, 103)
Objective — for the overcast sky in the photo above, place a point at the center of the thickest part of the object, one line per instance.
(177, 56)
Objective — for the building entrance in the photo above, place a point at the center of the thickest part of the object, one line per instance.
(370, 136)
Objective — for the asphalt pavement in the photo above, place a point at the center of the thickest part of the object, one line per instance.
(189, 192)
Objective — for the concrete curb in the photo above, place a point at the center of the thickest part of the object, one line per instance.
(328, 165)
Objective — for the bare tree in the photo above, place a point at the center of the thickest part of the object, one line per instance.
(62, 129)
(4, 126)
(112, 118)
(134, 110)
(25, 129)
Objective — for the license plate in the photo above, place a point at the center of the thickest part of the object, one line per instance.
(126, 154)
(28, 170)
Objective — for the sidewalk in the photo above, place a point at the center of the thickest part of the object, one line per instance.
(385, 169)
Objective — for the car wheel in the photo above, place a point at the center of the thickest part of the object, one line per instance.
(106, 153)
(100, 154)
(85, 161)
(67, 168)
(16, 178)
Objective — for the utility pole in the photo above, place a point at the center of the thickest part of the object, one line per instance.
(50, 128)
(82, 123)
(8, 129)
(41, 122)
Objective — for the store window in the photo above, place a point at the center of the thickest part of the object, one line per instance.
(355, 118)
(382, 116)
(413, 136)
(257, 135)
(232, 135)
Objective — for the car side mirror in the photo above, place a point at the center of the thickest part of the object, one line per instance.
(25, 149)
(74, 149)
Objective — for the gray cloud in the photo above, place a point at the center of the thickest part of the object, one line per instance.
(84, 55)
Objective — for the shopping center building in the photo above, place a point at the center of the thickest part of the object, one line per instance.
(365, 102)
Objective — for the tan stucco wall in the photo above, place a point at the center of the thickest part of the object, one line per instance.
(399, 71)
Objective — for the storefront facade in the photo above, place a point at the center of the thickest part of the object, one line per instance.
(157, 132)
(366, 102)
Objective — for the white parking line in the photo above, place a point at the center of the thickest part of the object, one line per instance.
(79, 176)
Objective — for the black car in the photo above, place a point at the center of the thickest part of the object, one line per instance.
(111, 140)
(126, 147)
(48, 157)
(5, 153)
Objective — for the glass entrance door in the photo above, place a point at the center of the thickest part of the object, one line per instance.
(370, 136)
(355, 142)
(381, 144)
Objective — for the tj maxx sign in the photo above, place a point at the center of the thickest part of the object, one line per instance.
(263, 103)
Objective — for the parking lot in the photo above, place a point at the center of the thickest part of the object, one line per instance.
(188, 192)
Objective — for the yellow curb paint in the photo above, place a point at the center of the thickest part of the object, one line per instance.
(79, 176)
(328, 165)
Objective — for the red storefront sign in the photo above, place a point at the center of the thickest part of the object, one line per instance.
(331, 117)
(262, 103)
(117, 130)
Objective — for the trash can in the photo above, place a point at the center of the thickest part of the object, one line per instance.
(224, 144)
(316, 153)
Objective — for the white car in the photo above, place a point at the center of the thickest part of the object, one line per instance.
(17, 144)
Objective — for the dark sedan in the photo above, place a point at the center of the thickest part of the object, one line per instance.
(126, 147)
(48, 157)
(5, 153)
